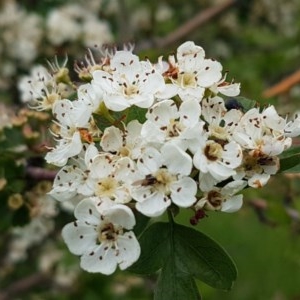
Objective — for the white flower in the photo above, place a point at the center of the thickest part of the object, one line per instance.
(66, 17)
(69, 138)
(292, 128)
(192, 73)
(219, 159)
(257, 168)
(75, 178)
(126, 143)
(111, 177)
(221, 123)
(40, 89)
(167, 123)
(101, 236)
(130, 82)
(32, 86)
(262, 132)
(96, 32)
(223, 199)
(162, 180)
(230, 89)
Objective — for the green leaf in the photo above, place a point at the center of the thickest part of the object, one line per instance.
(154, 249)
(290, 164)
(136, 113)
(203, 258)
(175, 284)
(141, 223)
(290, 152)
(246, 103)
(183, 253)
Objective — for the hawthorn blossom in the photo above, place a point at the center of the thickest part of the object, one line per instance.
(222, 123)
(223, 199)
(192, 73)
(163, 179)
(111, 177)
(69, 134)
(262, 136)
(292, 128)
(102, 236)
(262, 132)
(230, 89)
(167, 123)
(129, 82)
(73, 179)
(126, 143)
(257, 168)
(217, 158)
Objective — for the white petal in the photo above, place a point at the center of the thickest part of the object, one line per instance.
(233, 187)
(189, 112)
(177, 160)
(112, 139)
(210, 73)
(258, 180)
(219, 171)
(183, 192)
(116, 102)
(162, 112)
(102, 166)
(153, 206)
(87, 211)
(206, 181)
(79, 237)
(233, 204)
(152, 133)
(64, 150)
(150, 161)
(121, 215)
(99, 259)
(230, 90)
(169, 91)
(129, 248)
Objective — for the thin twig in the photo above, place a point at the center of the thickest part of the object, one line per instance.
(200, 19)
(40, 173)
(283, 86)
(23, 285)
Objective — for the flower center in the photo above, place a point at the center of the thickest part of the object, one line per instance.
(174, 128)
(213, 150)
(109, 232)
(48, 100)
(219, 132)
(187, 80)
(130, 89)
(125, 152)
(214, 198)
(106, 187)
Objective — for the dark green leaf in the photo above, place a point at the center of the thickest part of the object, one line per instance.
(136, 113)
(290, 152)
(247, 104)
(203, 258)
(175, 284)
(141, 223)
(192, 253)
(115, 119)
(154, 249)
(290, 164)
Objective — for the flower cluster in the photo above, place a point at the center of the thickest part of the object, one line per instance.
(142, 137)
